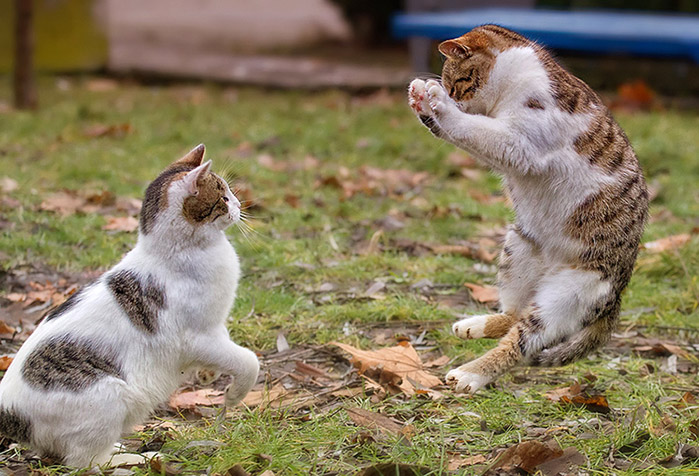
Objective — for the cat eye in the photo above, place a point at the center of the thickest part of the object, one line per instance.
(225, 199)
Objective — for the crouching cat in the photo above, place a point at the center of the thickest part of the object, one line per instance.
(576, 187)
(101, 361)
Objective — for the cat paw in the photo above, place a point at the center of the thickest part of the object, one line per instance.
(436, 97)
(207, 376)
(466, 382)
(417, 98)
(471, 327)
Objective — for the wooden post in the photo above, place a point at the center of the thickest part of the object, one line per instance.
(24, 83)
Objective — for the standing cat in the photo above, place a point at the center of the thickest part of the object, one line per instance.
(576, 187)
(101, 361)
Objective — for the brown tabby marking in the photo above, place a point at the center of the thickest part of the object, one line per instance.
(155, 199)
(209, 203)
(534, 104)
(14, 426)
(605, 144)
(141, 299)
(610, 224)
(506, 354)
(498, 325)
(66, 364)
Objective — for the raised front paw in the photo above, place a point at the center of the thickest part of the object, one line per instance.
(471, 327)
(436, 97)
(465, 381)
(417, 98)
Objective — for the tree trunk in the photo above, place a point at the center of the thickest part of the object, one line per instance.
(24, 84)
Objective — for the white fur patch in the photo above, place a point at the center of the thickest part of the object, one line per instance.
(466, 382)
(471, 327)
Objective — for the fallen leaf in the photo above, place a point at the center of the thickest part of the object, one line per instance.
(101, 85)
(63, 203)
(265, 396)
(398, 366)
(164, 468)
(635, 95)
(8, 185)
(5, 329)
(108, 130)
(665, 426)
(632, 447)
(378, 421)
(268, 162)
(567, 463)
(5, 362)
(694, 428)
(236, 470)
(16, 297)
(459, 461)
(125, 224)
(484, 294)
(395, 469)
(579, 396)
(667, 243)
(438, 362)
(525, 456)
(188, 400)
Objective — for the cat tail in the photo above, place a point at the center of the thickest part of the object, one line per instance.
(581, 344)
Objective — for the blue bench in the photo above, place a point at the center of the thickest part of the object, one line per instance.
(593, 31)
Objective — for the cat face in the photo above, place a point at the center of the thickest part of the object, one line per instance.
(188, 192)
(471, 57)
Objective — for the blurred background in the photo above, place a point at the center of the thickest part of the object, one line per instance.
(304, 43)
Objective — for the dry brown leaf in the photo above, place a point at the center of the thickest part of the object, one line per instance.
(5, 329)
(63, 203)
(101, 85)
(578, 395)
(567, 463)
(460, 461)
(438, 362)
(665, 426)
(188, 400)
(636, 95)
(663, 349)
(125, 224)
(396, 469)
(399, 366)
(236, 470)
(265, 396)
(8, 184)
(5, 362)
(378, 421)
(130, 206)
(16, 297)
(668, 243)
(525, 456)
(484, 294)
(108, 130)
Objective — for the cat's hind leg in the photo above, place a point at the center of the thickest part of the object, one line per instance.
(520, 270)
(564, 299)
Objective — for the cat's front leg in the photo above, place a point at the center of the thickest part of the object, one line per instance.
(495, 141)
(419, 103)
(222, 354)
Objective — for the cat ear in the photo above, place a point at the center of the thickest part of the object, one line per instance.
(454, 49)
(193, 178)
(194, 157)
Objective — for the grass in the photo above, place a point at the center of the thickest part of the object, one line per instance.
(296, 249)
